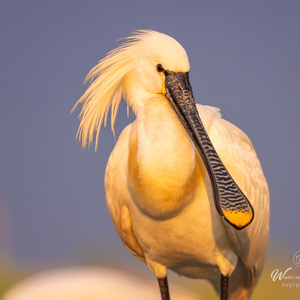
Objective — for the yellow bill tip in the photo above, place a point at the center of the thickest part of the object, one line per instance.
(239, 219)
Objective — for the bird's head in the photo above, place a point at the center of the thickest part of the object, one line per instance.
(155, 54)
(136, 69)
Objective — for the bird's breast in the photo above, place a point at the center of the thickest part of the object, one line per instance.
(162, 170)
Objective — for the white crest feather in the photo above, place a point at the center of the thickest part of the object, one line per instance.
(106, 88)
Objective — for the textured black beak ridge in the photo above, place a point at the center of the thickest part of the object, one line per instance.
(229, 200)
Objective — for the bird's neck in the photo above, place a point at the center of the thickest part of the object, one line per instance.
(162, 140)
(165, 158)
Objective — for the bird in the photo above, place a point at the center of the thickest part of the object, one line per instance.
(184, 187)
(88, 283)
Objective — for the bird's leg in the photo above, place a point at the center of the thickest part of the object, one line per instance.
(224, 287)
(164, 288)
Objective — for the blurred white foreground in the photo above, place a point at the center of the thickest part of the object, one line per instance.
(90, 283)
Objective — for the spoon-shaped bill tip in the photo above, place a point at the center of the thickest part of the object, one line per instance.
(239, 219)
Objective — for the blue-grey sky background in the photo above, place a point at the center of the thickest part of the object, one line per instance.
(244, 58)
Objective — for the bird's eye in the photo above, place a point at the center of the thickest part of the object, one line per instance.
(159, 68)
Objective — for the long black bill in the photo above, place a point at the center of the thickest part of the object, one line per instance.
(229, 200)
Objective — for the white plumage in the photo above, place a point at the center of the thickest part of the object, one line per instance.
(158, 191)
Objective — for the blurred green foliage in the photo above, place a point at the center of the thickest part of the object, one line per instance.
(7, 277)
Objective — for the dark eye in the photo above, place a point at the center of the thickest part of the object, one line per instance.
(159, 68)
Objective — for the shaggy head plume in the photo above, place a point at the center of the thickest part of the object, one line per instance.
(107, 89)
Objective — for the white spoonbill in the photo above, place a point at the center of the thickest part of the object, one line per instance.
(87, 283)
(184, 188)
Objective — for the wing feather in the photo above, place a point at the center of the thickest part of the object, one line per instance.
(117, 192)
(238, 155)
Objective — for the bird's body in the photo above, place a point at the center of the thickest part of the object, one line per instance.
(189, 236)
(158, 189)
